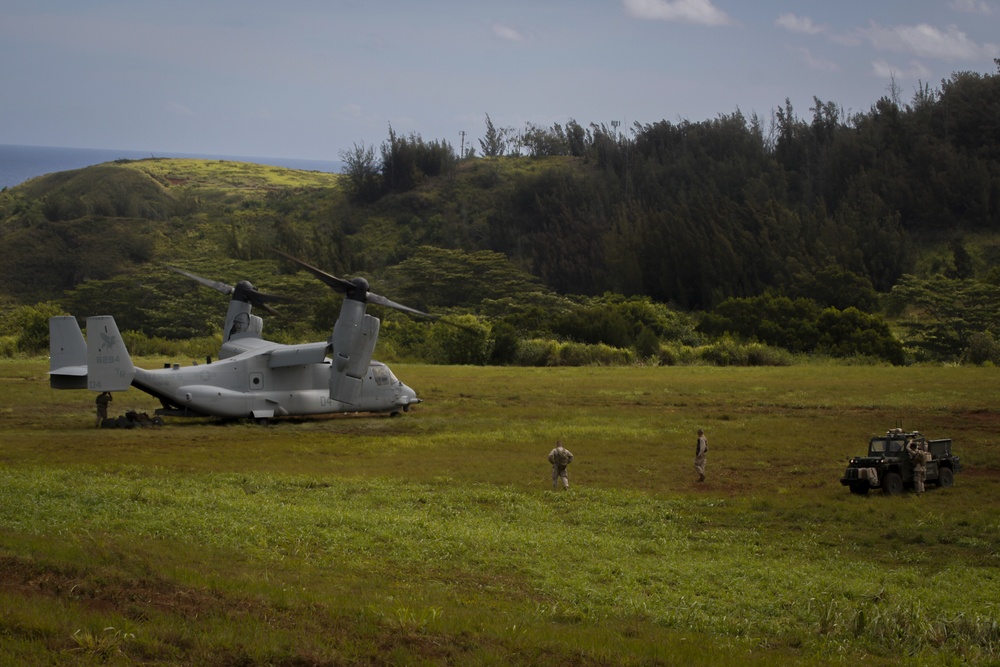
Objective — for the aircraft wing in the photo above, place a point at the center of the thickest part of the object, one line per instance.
(298, 355)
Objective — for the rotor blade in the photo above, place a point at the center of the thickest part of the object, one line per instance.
(382, 301)
(247, 292)
(214, 284)
(268, 296)
(339, 284)
(268, 308)
(243, 290)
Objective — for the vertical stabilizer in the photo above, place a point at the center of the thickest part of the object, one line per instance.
(109, 366)
(67, 354)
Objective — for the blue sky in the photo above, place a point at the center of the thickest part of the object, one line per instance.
(310, 78)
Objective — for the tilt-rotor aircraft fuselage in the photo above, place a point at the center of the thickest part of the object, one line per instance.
(253, 378)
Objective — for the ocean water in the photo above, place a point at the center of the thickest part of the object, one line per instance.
(19, 163)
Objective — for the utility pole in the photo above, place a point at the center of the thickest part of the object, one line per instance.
(461, 155)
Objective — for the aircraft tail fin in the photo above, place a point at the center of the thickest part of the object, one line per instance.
(67, 354)
(109, 366)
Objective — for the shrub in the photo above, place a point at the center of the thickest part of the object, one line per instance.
(765, 355)
(536, 352)
(983, 349)
(729, 352)
(31, 326)
(8, 346)
(725, 352)
(460, 340)
(578, 354)
(676, 354)
(505, 344)
(646, 343)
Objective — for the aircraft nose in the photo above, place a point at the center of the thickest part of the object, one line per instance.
(407, 396)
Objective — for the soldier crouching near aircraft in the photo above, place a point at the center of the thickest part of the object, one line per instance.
(103, 399)
(560, 457)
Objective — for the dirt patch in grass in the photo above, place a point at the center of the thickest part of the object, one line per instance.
(327, 637)
(26, 577)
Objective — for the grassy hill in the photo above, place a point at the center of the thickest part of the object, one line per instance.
(96, 223)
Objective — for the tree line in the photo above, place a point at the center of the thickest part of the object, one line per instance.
(693, 213)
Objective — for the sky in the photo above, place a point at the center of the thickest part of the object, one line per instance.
(311, 79)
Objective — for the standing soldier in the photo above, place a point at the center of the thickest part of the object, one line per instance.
(700, 454)
(102, 406)
(560, 457)
(916, 453)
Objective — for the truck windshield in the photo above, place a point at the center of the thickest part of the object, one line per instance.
(883, 445)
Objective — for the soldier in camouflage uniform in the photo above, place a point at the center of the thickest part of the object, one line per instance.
(102, 406)
(560, 457)
(916, 453)
(700, 454)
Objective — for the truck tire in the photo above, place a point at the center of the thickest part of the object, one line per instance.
(860, 488)
(946, 478)
(892, 484)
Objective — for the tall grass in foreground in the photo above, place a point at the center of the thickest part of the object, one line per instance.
(433, 539)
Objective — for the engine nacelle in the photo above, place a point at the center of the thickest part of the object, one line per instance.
(352, 352)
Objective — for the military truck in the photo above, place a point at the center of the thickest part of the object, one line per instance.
(888, 465)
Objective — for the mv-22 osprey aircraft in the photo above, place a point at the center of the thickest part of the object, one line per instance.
(253, 378)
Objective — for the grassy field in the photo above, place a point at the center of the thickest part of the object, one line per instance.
(436, 538)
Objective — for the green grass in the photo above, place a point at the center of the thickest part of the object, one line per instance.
(230, 175)
(435, 538)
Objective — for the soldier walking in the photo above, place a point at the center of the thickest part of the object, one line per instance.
(700, 454)
(560, 457)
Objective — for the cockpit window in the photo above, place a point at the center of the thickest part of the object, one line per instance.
(382, 375)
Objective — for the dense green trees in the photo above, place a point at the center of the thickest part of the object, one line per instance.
(405, 163)
(802, 325)
(945, 317)
(693, 213)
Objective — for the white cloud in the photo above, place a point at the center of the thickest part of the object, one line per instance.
(798, 24)
(814, 63)
(508, 33)
(971, 6)
(929, 42)
(687, 11)
(883, 70)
